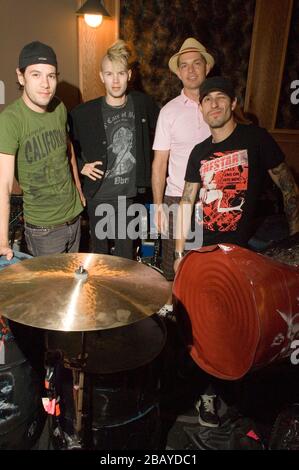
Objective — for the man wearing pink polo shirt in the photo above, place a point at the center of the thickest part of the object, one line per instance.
(180, 127)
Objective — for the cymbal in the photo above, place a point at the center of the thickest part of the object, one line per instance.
(80, 292)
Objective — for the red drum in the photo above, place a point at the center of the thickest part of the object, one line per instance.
(21, 414)
(238, 309)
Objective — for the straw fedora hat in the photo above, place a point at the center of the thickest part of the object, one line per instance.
(190, 45)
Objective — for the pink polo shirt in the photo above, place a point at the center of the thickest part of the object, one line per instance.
(179, 128)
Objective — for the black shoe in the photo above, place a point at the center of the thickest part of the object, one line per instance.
(207, 412)
(285, 433)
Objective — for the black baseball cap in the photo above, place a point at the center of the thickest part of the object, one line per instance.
(37, 53)
(216, 84)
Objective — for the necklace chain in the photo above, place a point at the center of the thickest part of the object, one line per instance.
(119, 105)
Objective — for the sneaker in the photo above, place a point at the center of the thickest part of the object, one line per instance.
(166, 311)
(207, 414)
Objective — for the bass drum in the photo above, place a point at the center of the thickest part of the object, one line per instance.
(121, 387)
(237, 310)
(21, 414)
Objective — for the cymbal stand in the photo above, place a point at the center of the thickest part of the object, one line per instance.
(51, 402)
(78, 385)
(53, 360)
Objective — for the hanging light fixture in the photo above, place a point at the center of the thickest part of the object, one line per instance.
(93, 11)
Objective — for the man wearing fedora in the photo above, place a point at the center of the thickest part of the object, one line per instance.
(180, 127)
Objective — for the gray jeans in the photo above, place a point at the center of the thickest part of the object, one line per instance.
(61, 239)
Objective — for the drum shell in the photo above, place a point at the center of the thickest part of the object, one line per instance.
(120, 411)
(121, 407)
(238, 309)
(21, 413)
(112, 350)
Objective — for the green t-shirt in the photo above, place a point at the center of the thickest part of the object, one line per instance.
(39, 142)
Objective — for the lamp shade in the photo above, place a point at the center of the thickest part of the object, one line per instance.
(93, 7)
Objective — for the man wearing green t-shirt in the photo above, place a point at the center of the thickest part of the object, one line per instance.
(33, 139)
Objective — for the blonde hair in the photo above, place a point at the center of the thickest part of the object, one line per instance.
(119, 52)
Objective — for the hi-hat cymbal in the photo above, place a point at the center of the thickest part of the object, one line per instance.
(80, 292)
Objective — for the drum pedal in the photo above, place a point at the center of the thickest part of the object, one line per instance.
(66, 441)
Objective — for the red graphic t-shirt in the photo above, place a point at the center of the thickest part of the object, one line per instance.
(224, 182)
(231, 176)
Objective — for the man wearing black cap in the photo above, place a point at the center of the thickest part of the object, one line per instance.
(33, 136)
(227, 170)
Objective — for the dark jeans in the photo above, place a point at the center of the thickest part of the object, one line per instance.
(45, 241)
(168, 244)
(108, 222)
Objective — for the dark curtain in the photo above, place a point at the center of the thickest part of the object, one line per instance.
(155, 29)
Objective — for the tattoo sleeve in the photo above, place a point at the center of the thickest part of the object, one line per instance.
(184, 214)
(189, 193)
(283, 178)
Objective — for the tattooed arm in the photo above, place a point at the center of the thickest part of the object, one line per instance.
(184, 217)
(283, 178)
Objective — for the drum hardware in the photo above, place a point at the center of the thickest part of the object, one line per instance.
(53, 360)
(16, 222)
(51, 402)
(52, 406)
(153, 261)
(85, 398)
(78, 384)
(77, 366)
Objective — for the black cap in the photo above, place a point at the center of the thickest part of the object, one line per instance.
(216, 84)
(37, 53)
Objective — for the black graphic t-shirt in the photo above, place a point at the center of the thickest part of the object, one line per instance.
(231, 174)
(120, 176)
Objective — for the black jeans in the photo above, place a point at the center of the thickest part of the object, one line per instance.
(48, 241)
(108, 222)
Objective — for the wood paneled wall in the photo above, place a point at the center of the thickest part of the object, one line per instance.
(267, 60)
(93, 43)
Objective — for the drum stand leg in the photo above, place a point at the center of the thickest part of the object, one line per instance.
(78, 384)
(54, 360)
(75, 440)
(78, 389)
(52, 401)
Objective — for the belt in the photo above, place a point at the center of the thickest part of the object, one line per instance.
(51, 227)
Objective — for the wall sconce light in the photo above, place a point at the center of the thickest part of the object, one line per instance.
(93, 11)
